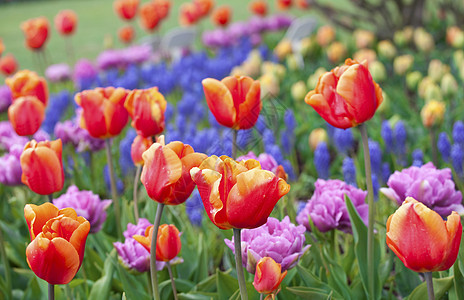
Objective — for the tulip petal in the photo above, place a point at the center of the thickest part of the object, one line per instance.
(37, 216)
(220, 102)
(249, 110)
(55, 261)
(185, 185)
(454, 229)
(79, 236)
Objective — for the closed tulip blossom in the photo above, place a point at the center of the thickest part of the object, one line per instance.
(237, 194)
(327, 207)
(259, 7)
(203, 7)
(43, 167)
(433, 187)
(28, 83)
(146, 108)
(139, 145)
(168, 244)
(149, 17)
(26, 114)
(221, 16)
(421, 239)
(188, 14)
(126, 34)
(280, 240)
(66, 22)
(235, 101)
(36, 32)
(432, 113)
(126, 9)
(103, 115)
(346, 96)
(57, 246)
(268, 277)
(166, 172)
(86, 204)
(8, 64)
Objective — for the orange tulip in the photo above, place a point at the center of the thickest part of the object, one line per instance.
(42, 166)
(149, 16)
(421, 239)
(8, 64)
(268, 276)
(26, 114)
(126, 34)
(35, 32)
(66, 21)
(284, 4)
(235, 101)
(126, 9)
(146, 108)
(222, 15)
(325, 35)
(346, 96)
(57, 246)
(140, 145)
(168, 243)
(162, 8)
(2, 47)
(103, 115)
(28, 83)
(166, 172)
(259, 7)
(303, 4)
(203, 7)
(188, 14)
(237, 194)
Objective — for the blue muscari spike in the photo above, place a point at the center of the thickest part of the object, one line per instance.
(194, 208)
(289, 120)
(457, 157)
(168, 112)
(444, 146)
(244, 137)
(212, 121)
(343, 140)
(330, 130)
(387, 136)
(400, 135)
(268, 138)
(119, 183)
(125, 159)
(301, 206)
(376, 186)
(261, 124)
(386, 172)
(376, 157)
(322, 160)
(275, 151)
(349, 171)
(181, 123)
(287, 165)
(458, 133)
(417, 158)
(56, 109)
(286, 140)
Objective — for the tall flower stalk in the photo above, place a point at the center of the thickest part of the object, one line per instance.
(114, 193)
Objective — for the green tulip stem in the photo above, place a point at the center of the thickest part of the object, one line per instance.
(261, 296)
(370, 202)
(136, 184)
(238, 264)
(114, 193)
(173, 283)
(6, 263)
(50, 198)
(150, 292)
(51, 291)
(429, 280)
(433, 141)
(234, 144)
(154, 278)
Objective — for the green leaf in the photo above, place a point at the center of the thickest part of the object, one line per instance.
(132, 286)
(226, 285)
(312, 281)
(197, 296)
(360, 243)
(406, 280)
(182, 286)
(101, 288)
(207, 284)
(309, 293)
(33, 290)
(440, 286)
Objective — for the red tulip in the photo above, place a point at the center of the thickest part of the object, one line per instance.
(28, 83)
(126, 9)
(237, 194)
(203, 7)
(103, 115)
(168, 243)
(126, 34)
(162, 8)
(234, 101)
(346, 96)
(42, 166)
(149, 16)
(166, 172)
(140, 145)
(8, 64)
(284, 4)
(66, 21)
(35, 32)
(57, 246)
(421, 239)
(303, 4)
(222, 15)
(2, 47)
(259, 7)
(188, 14)
(26, 114)
(146, 108)
(268, 276)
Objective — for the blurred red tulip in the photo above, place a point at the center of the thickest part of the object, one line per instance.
(303, 4)
(8, 64)
(259, 7)
(168, 243)
(26, 114)
(28, 83)
(162, 8)
(126, 9)
(188, 14)
(149, 17)
(42, 166)
(203, 7)
(126, 34)
(221, 16)
(284, 4)
(2, 47)
(140, 145)
(66, 22)
(268, 276)
(35, 32)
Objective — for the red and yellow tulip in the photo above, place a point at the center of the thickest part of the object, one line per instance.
(222, 15)
(268, 277)
(149, 16)
(126, 34)
(203, 7)
(8, 64)
(168, 244)
(57, 246)
(421, 239)
(26, 115)
(36, 32)
(140, 145)
(28, 83)
(259, 7)
(126, 9)
(66, 22)
(346, 96)
(237, 194)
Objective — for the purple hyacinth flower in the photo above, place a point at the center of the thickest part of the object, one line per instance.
(86, 204)
(5, 97)
(266, 160)
(10, 167)
(280, 240)
(327, 207)
(427, 184)
(58, 72)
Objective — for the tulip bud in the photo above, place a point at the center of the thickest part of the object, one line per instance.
(222, 15)
(268, 276)
(126, 34)
(269, 85)
(292, 62)
(423, 40)
(314, 78)
(317, 136)
(433, 91)
(363, 38)
(140, 145)
(437, 69)
(365, 54)
(26, 114)
(413, 79)
(168, 242)
(336, 52)
(386, 49)
(65, 22)
(423, 84)
(458, 58)
(28, 83)
(378, 71)
(8, 64)
(449, 86)
(432, 113)
(307, 46)
(325, 35)
(298, 91)
(455, 37)
(283, 48)
(402, 64)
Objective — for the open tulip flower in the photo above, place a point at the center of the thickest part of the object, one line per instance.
(42, 166)
(103, 115)
(346, 96)
(126, 9)
(36, 32)
(168, 244)
(57, 246)
(421, 239)
(28, 83)
(146, 108)
(268, 277)
(26, 115)
(66, 21)
(235, 101)
(237, 194)
(166, 172)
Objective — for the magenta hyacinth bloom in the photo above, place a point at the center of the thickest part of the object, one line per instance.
(427, 184)
(5, 97)
(266, 160)
(10, 167)
(280, 240)
(86, 204)
(70, 133)
(84, 69)
(8, 136)
(58, 72)
(327, 207)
